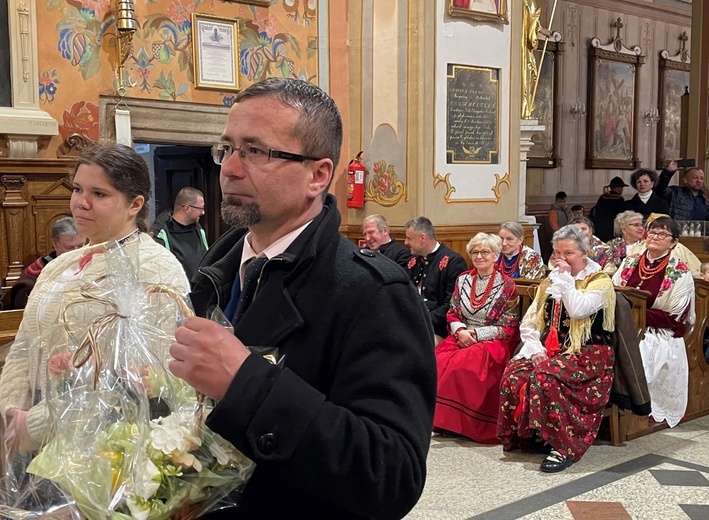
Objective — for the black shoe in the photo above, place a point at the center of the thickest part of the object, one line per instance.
(449, 434)
(555, 462)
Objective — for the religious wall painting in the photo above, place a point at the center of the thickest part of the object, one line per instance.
(611, 140)
(545, 150)
(673, 82)
(472, 115)
(479, 10)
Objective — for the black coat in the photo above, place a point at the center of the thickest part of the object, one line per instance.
(396, 252)
(655, 204)
(342, 429)
(436, 274)
(604, 212)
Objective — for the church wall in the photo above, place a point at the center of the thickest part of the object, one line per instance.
(652, 27)
(77, 54)
(472, 191)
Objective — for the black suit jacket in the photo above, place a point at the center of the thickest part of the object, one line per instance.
(436, 275)
(342, 428)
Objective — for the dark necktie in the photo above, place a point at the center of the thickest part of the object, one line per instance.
(251, 276)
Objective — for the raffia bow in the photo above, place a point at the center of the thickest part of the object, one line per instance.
(89, 349)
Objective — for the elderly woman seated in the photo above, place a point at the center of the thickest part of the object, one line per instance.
(517, 260)
(599, 251)
(629, 232)
(670, 308)
(555, 389)
(483, 322)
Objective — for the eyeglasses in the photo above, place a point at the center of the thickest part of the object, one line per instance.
(660, 235)
(196, 207)
(636, 224)
(484, 253)
(254, 155)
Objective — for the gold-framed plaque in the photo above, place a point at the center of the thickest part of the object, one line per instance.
(215, 45)
(472, 115)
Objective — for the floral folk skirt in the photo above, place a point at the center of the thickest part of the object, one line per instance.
(561, 400)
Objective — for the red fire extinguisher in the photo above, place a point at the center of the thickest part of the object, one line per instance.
(355, 182)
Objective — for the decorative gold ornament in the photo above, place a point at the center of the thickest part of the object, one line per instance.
(385, 188)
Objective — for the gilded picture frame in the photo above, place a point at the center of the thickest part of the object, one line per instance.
(262, 3)
(545, 152)
(480, 11)
(673, 82)
(613, 92)
(215, 47)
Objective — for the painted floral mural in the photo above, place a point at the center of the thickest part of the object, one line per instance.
(78, 53)
(82, 119)
(384, 188)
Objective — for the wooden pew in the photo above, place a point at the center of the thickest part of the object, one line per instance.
(618, 418)
(698, 402)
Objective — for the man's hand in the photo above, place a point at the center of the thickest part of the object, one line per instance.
(207, 356)
(672, 166)
(17, 439)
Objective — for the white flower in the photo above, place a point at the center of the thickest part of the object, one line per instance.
(219, 453)
(148, 480)
(173, 434)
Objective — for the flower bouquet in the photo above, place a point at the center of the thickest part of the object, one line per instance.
(127, 438)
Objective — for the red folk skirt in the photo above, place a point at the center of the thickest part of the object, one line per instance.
(562, 399)
(467, 400)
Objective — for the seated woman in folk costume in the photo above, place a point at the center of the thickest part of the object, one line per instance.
(629, 232)
(483, 322)
(516, 260)
(670, 309)
(555, 389)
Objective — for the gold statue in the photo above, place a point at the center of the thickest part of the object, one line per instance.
(531, 26)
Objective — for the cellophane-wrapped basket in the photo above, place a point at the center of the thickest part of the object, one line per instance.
(127, 437)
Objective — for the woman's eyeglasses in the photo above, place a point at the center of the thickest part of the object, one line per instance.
(660, 235)
(484, 253)
(254, 155)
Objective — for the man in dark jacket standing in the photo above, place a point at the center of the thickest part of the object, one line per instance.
(340, 427)
(610, 204)
(688, 202)
(179, 230)
(433, 270)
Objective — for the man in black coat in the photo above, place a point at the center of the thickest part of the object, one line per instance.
(375, 229)
(340, 427)
(433, 270)
(609, 205)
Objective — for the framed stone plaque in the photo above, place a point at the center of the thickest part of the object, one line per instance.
(472, 115)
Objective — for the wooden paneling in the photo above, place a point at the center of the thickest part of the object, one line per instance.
(33, 194)
(455, 237)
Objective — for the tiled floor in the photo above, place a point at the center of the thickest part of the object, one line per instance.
(663, 476)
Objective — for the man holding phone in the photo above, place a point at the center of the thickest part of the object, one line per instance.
(688, 202)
